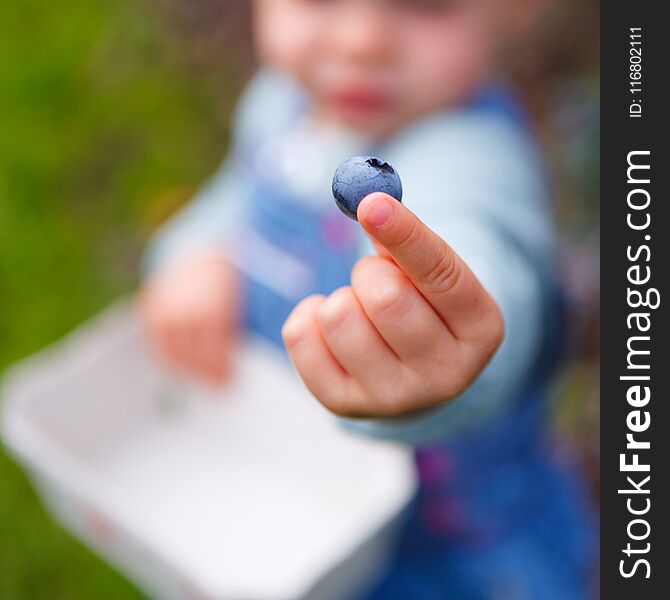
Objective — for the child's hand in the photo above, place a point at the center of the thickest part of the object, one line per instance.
(190, 311)
(414, 329)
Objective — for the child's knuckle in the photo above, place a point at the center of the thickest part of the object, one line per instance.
(363, 269)
(444, 273)
(409, 238)
(497, 328)
(346, 407)
(389, 296)
(492, 329)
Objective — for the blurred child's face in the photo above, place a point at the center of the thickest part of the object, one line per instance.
(377, 64)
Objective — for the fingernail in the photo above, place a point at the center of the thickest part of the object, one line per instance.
(379, 212)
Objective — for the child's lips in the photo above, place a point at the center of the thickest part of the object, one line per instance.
(358, 101)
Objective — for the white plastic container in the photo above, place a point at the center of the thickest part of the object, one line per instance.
(250, 493)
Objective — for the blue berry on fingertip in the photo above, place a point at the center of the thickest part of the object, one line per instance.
(359, 176)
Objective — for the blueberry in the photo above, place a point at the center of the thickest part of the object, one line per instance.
(359, 176)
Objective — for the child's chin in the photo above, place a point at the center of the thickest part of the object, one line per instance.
(369, 124)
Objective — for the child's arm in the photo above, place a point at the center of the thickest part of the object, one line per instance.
(189, 300)
(212, 218)
(482, 192)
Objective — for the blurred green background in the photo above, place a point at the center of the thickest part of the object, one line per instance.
(106, 126)
(111, 114)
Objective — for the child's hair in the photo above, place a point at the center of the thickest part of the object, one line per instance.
(561, 46)
(217, 34)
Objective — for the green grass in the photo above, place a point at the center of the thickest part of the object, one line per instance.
(105, 128)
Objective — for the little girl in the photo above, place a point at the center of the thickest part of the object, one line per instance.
(431, 322)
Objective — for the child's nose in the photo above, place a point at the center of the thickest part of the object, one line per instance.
(361, 32)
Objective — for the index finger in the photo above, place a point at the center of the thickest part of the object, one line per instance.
(436, 270)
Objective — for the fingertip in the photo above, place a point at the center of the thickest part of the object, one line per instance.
(293, 330)
(335, 309)
(376, 210)
(297, 325)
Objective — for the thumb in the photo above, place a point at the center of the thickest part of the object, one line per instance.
(434, 268)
